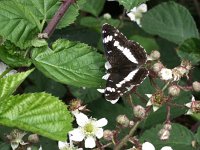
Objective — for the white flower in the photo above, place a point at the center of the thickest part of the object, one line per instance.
(150, 102)
(67, 146)
(4, 67)
(165, 74)
(166, 148)
(135, 14)
(88, 130)
(194, 106)
(147, 146)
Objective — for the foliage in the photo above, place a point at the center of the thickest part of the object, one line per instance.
(69, 64)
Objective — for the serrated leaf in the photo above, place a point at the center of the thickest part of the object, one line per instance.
(129, 4)
(18, 24)
(180, 137)
(14, 57)
(190, 50)
(39, 113)
(71, 63)
(170, 21)
(10, 83)
(71, 14)
(45, 10)
(93, 6)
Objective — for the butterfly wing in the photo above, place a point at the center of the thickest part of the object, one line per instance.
(121, 51)
(125, 59)
(120, 83)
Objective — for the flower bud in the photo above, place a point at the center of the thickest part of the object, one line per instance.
(157, 66)
(33, 138)
(167, 126)
(165, 74)
(139, 111)
(155, 55)
(196, 86)
(108, 135)
(123, 120)
(131, 123)
(164, 134)
(107, 16)
(174, 90)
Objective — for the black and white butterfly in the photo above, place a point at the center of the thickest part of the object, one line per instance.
(125, 63)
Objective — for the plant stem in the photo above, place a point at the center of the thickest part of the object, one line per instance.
(57, 17)
(126, 138)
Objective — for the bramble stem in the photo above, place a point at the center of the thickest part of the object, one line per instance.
(126, 138)
(57, 17)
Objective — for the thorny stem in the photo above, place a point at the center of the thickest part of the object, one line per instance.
(168, 113)
(130, 101)
(126, 138)
(57, 17)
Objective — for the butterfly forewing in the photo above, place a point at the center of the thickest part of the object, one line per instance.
(125, 68)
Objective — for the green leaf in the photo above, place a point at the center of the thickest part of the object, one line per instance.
(170, 21)
(85, 94)
(45, 10)
(198, 135)
(10, 83)
(148, 43)
(180, 137)
(129, 4)
(13, 56)
(71, 63)
(97, 23)
(71, 14)
(18, 24)
(190, 50)
(41, 83)
(39, 113)
(93, 6)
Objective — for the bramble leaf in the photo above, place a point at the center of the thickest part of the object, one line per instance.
(9, 84)
(190, 50)
(71, 63)
(93, 6)
(180, 137)
(170, 21)
(39, 113)
(129, 4)
(18, 23)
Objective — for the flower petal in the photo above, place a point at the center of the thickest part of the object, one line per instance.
(166, 148)
(101, 122)
(149, 103)
(155, 108)
(147, 146)
(99, 133)
(142, 8)
(62, 145)
(76, 135)
(148, 95)
(81, 119)
(90, 142)
(188, 104)
(189, 112)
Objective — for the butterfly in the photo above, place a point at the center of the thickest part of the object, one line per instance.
(125, 63)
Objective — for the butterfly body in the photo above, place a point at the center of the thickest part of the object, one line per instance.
(125, 63)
